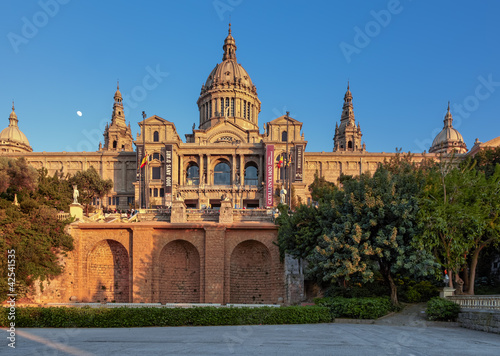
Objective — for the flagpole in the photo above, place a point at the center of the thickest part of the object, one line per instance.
(287, 178)
(143, 155)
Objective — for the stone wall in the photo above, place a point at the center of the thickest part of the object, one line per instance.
(155, 262)
(483, 320)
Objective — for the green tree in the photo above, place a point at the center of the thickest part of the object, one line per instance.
(365, 227)
(460, 217)
(32, 229)
(91, 185)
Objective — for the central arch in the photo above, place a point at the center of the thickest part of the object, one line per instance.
(179, 273)
(108, 275)
(250, 273)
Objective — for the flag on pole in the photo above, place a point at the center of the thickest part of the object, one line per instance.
(144, 161)
(280, 163)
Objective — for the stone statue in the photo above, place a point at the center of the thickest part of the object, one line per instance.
(194, 126)
(179, 197)
(283, 195)
(224, 197)
(76, 194)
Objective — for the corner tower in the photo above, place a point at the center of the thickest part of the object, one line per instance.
(348, 135)
(118, 136)
(228, 93)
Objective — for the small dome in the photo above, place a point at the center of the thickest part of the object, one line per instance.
(12, 135)
(449, 139)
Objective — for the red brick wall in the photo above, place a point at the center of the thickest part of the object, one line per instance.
(162, 262)
(109, 272)
(250, 274)
(179, 273)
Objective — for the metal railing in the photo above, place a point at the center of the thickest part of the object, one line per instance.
(484, 302)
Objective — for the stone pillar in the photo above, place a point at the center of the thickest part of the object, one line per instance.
(226, 212)
(214, 264)
(181, 170)
(242, 170)
(202, 170)
(178, 214)
(76, 211)
(209, 174)
(233, 171)
(142, 266)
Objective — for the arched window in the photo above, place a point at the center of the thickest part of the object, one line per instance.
(115, 144)
(193, 175)
(251, 174)
(349, 145)
(284, 136)
(156, 136)
(222, 174)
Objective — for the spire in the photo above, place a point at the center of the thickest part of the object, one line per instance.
(229, 47)
(118, 95)
(13, 117)
(448, 119)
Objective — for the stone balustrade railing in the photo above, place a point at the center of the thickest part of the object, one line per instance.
(62, 216)
(483, 302)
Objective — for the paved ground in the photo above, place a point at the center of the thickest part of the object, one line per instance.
(401, 334)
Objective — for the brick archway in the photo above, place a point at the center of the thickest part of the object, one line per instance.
(179, 273)
(250, 273)
(108, 272)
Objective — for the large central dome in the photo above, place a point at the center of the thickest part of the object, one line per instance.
(228, 93)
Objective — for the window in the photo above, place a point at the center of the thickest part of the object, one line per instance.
(248, 111)
(284, 136)
(222, 174)
(162, 192)
(221, 106)
(156, 136)
(156, 172)
(193, 175)
(209, 109)
(251, 175)
(115, 144)
(349, 144)
(232, 107)
(117, 201)
(155, 192)
(244, 109)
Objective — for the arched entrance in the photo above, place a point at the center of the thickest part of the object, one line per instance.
(108, 273)
(179, 273)
(250, 273)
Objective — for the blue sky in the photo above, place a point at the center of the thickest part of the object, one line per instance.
(404, 60)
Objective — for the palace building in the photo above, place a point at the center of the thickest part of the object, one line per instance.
(226, 163)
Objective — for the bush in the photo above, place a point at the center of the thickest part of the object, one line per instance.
(442, 309)
(87, 317)
(356, 308)
(412, 292)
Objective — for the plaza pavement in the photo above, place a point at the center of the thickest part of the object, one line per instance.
(314, 339)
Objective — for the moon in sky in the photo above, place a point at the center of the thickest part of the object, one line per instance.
(79, 113)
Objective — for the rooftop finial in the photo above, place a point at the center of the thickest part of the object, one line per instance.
(347, 84)
(118, 84)
(229, 27)
(13, 105)
(448, 106)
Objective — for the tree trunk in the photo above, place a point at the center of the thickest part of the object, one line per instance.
(466, 277)
(386, 273)
(472, 270)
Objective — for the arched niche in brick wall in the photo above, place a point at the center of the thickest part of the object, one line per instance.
(250, 273)
(108, 272)
(179, 280)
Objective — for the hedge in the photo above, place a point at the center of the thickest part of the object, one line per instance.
(441, 309)
(62, 317)
(356, 308)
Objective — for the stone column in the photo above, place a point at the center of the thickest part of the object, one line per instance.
(202, 182)
(242, 169)
(209, 175)
(233, 171)
(181, 170)
(214, 264)
(142, 266)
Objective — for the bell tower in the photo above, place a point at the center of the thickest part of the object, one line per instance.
(117, 136)
(348, 135)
